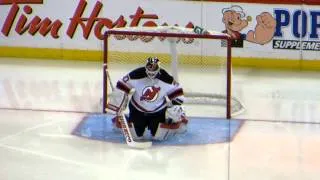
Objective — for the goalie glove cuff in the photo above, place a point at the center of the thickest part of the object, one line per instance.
(118, 102)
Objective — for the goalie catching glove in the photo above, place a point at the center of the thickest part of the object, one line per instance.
(175, 114)
(176, 123)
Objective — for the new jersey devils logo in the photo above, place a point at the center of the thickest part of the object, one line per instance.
(150, 93)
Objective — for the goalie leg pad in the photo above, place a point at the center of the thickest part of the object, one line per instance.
(183, 125)
(176, 116)
(166, 131)
(163, 133)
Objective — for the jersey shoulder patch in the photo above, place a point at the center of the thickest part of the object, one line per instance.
(165, 77)
(138, 73)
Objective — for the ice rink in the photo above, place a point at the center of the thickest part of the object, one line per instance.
(41, 102)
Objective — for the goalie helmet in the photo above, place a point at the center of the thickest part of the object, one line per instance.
(152, 67)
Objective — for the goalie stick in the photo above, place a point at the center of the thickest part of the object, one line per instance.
(125, 127)
(128, 136)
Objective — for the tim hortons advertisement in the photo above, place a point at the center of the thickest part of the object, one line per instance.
(80, 24)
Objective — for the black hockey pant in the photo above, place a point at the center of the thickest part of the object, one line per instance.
(142, 120)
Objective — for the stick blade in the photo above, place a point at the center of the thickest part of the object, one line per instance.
(140, 144)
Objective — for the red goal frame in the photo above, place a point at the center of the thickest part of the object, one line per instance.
(113, 32)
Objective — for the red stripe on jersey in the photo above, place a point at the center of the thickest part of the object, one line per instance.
(145, 110)
(124, 87)
(176, 93)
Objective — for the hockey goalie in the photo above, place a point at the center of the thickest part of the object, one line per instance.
(154, 100)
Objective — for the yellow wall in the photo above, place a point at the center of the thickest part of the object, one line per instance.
(90, 55)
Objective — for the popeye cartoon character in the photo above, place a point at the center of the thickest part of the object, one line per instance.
(235, 21)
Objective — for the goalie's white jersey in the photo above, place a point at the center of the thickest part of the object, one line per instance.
(150, 94)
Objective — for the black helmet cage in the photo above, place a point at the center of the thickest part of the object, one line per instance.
(152, 67)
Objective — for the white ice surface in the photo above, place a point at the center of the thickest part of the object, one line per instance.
(37, 144)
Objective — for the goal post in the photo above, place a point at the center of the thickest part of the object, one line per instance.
(200, 61)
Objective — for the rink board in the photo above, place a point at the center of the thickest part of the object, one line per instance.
(201, 130)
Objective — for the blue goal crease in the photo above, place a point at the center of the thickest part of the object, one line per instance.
(201, 130)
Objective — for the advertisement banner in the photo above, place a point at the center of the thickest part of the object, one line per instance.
(260, 30)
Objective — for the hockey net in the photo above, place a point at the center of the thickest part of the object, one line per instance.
(199, 60)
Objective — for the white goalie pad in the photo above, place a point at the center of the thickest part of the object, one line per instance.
(166, 131)
(175, 114)
(118, 101)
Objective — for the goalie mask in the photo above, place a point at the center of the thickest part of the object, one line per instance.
(152, 67)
